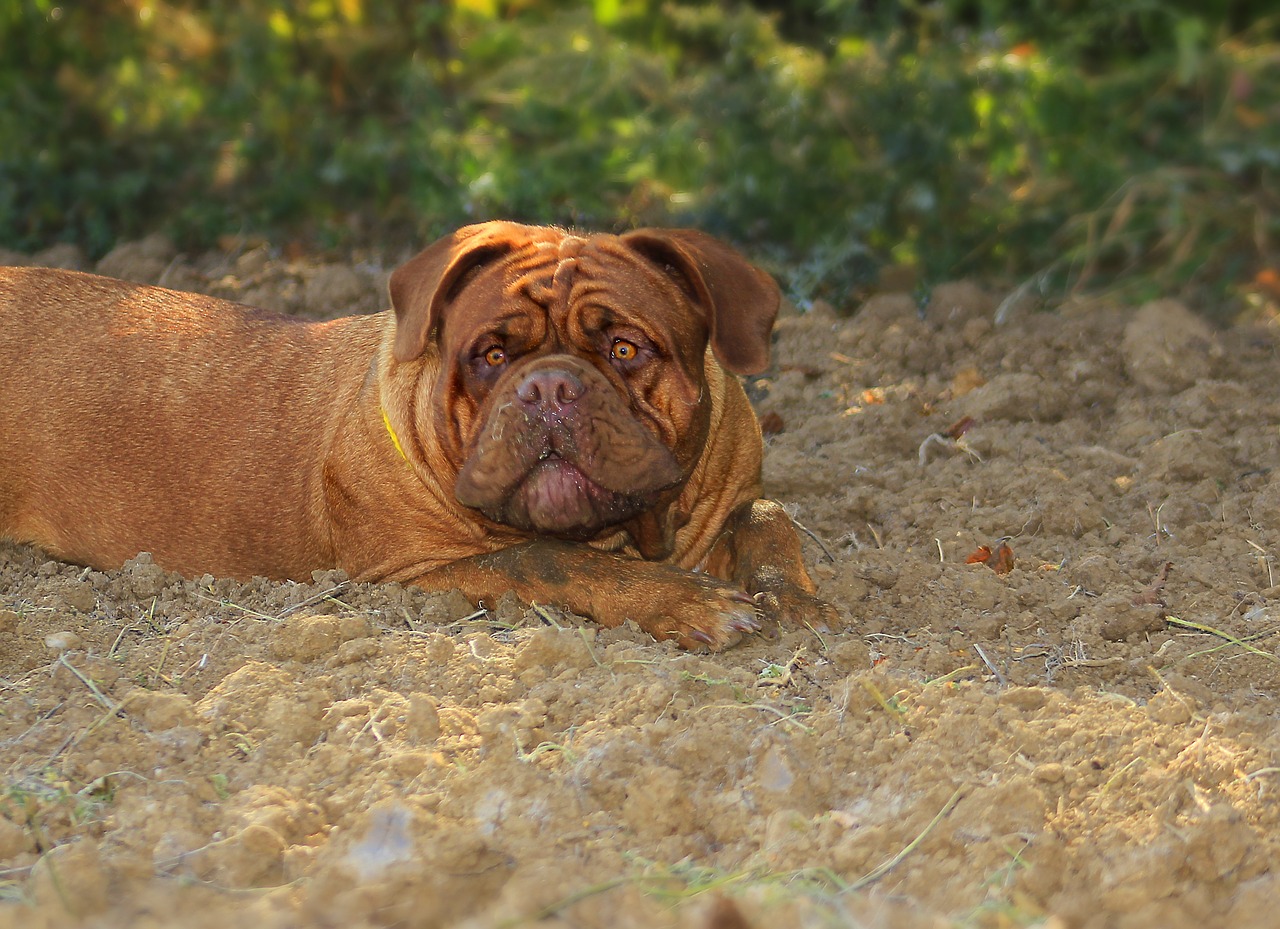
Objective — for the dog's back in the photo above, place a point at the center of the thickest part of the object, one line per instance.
(134, 417)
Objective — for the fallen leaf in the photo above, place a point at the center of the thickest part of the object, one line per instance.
(1151, 593)
(1003, 562)
(999, 561)
(980, 555)
(1268, 280)
(771, 423)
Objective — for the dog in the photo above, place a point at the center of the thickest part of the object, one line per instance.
(539, 411)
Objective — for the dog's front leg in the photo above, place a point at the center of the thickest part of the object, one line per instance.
(759, 551)
(666, 601)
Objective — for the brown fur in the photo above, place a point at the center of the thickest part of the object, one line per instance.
(230, 441)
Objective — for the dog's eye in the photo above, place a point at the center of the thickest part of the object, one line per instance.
(624, 350)
(495, 356)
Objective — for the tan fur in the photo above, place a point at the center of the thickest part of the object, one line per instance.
(230, 441)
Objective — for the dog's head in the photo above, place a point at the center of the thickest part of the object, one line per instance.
(572, 390)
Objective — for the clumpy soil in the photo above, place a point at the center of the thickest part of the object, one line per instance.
(1076, 730)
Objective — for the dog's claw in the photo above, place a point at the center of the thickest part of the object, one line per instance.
(793, 606)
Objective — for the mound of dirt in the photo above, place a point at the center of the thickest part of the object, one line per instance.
(1053, 704)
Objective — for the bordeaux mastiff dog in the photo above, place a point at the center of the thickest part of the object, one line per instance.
(543, 412)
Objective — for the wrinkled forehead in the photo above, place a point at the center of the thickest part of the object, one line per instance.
(597, 276)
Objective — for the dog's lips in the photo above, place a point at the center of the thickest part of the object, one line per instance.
(556, 497)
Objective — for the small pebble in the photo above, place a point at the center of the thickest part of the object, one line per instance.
(62, 641)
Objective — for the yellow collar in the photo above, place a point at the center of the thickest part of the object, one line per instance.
(395, 440)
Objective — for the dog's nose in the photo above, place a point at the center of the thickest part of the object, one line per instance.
(549, 390)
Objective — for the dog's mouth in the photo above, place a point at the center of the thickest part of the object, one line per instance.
(556, 495)
(557, 498)
(571, 475)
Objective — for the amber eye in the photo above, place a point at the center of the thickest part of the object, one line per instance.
(495, 356)
(624, 350)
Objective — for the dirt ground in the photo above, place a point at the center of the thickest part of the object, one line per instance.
(1079, 732)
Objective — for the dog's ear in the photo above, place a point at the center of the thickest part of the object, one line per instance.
(424, 285)
(740, 300)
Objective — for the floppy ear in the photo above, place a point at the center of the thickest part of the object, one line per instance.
(422, 286)
(740, 300)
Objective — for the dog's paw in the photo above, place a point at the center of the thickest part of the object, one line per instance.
(701, 612)
(790, 605)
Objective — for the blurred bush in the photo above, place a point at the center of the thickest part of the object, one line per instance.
(1058, 145)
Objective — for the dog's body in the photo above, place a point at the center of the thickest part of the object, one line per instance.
(542, 412)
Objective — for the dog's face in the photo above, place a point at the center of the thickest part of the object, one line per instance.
(571, 388)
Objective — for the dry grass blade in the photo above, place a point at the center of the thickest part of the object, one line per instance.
(222, 602)
(782, 717)
(98, 695)
(885, 867)
(991, 667)
(813, 535)
(564, 903)
(545, 615)
(888, 706)
(1213, 630)
(951, 675)
(329, 594)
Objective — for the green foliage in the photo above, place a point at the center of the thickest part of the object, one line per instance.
(1074, 143)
